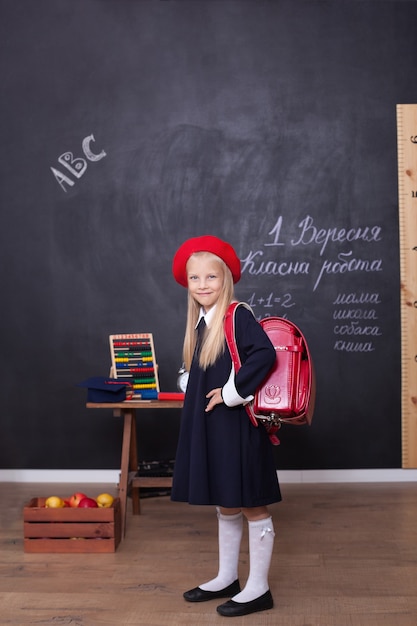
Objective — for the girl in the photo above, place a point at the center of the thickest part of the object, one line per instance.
(222, 459)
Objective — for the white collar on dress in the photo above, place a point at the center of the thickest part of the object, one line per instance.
(207, 316)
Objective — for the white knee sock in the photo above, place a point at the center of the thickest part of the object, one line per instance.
(230, 528)
(261, 544)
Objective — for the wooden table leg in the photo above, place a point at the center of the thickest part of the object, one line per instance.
(128, 419)
(133, 466)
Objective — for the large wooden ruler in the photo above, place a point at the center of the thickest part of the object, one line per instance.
(407, 196)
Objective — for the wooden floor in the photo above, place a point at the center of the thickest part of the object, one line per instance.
(345, 555)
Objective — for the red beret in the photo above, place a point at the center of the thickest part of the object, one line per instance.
(206, 243)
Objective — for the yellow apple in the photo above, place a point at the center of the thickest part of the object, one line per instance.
(104, 500)
(54, 502)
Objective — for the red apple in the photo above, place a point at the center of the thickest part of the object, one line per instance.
(76, 498)
(87, 503)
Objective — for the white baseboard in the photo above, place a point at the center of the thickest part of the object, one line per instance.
(348, 476)
(285, 476)
(59, 476)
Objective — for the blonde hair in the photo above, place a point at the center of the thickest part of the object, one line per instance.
(214, 342)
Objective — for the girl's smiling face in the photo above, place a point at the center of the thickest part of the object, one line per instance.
(205, 279)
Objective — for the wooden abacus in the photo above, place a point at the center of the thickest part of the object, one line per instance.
(133, 360)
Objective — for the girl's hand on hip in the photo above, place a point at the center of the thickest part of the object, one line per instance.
(215, 397)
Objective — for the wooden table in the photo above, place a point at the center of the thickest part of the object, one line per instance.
(129, 459)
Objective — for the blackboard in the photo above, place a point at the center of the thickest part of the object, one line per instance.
(129, 126)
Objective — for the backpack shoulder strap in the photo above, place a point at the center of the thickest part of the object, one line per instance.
(229, 332)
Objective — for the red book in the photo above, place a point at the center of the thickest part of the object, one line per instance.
(170, 395)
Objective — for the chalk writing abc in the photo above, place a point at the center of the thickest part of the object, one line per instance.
(76, 166)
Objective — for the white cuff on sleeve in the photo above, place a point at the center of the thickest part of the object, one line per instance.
(229, 392)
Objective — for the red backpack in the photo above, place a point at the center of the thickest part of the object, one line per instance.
(287, 394)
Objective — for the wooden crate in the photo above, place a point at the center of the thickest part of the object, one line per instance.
(71, 530)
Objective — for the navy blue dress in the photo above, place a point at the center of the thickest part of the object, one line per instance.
(222, 458)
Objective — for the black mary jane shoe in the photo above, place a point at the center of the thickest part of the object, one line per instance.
(235, 609)
(199, 595)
